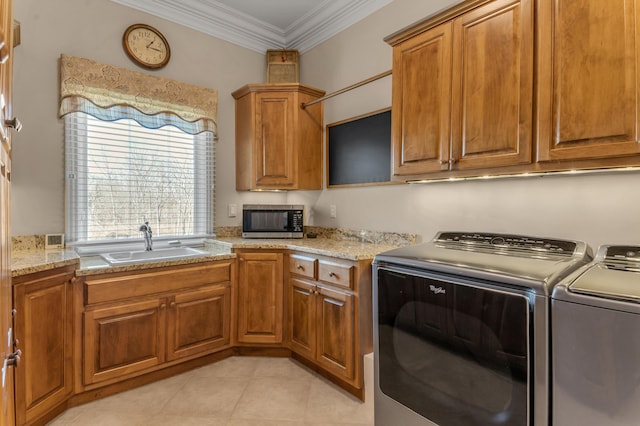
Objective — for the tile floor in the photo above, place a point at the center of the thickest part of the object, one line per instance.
(237, 391)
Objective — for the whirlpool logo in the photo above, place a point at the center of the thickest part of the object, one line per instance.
(437, 290)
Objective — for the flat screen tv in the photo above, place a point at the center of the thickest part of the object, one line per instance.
(359, 150)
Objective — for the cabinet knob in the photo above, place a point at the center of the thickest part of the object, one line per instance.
(162, 306)
(73, 280)
(14, 123)
(172, 304)
(14, 359)
(300, 267)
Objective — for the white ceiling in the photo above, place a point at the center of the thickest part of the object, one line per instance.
(263, 24)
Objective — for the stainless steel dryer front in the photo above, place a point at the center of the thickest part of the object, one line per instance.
(461, 329)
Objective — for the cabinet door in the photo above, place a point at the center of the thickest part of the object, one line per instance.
(587, 79)
(198, 321)
(43, 328)
(493, 86)
(335, 333)
(6, 348)
(260, 297)
(302, 317)
(273, 149)
(123, 339)
(422, 102)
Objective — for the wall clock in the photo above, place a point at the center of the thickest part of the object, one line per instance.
(146, 46)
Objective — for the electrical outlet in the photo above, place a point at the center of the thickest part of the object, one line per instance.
(334, 212)
(232, 210)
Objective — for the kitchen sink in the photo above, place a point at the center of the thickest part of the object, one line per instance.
(141, 256)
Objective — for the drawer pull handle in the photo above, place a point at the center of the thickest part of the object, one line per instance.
(333, 275)
(300, 267)
(14, 123)
(14, 359)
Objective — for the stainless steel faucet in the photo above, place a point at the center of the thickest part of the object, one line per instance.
(146, 229)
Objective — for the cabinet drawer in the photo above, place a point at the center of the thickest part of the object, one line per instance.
(338, 274)
(105, 288)
(303, 266)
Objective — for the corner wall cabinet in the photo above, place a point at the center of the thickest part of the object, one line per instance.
(44, 334)
(137, 322)
(329, 309)
(462, 91)
(278, 143)
(260, 297)
(588, 79)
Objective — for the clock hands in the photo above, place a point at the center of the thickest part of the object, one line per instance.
(156, 49)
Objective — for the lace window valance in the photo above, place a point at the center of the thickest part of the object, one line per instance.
(109, 93)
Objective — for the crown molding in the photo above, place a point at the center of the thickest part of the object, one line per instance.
(325, 21)
(218, 20)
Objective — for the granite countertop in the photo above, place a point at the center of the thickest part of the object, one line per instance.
(30, 257)
(25, 262)
(344, 249)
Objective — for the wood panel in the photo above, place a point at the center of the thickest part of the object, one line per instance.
(7, 393)
(274, 150)
(421, 100)
(260, 297)
(44, 331)
(335, 332)
(198, 321)
(587, 79)
(493, 86)
(123, 339)
(108, 288)
(278, 143)
(302, 317)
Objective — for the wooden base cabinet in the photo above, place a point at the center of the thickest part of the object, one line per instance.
(44, 334)
(322, 326)
(260, 297)
(329, 309)
(135, 323)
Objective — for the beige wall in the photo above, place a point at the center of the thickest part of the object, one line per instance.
(597, 208)
(93, 29)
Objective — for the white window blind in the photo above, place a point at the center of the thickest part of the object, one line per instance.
(120, 175)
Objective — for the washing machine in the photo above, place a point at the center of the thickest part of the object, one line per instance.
(595, 342)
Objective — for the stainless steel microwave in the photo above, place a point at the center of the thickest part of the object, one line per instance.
(272, 221)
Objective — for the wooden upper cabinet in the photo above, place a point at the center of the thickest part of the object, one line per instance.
(587, 79)
(421, 119)
(463, 89)
(274, 144)
(493, 86)
(278, 143)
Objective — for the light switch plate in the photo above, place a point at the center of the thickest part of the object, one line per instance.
(232, 210)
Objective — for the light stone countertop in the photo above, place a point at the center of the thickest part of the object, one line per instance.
(343, 249)
(27, 261)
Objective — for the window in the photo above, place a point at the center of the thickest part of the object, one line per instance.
(120, 174)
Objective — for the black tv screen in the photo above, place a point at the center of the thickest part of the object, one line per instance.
(359, 150)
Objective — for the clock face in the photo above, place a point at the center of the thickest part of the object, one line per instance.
(146, 46)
